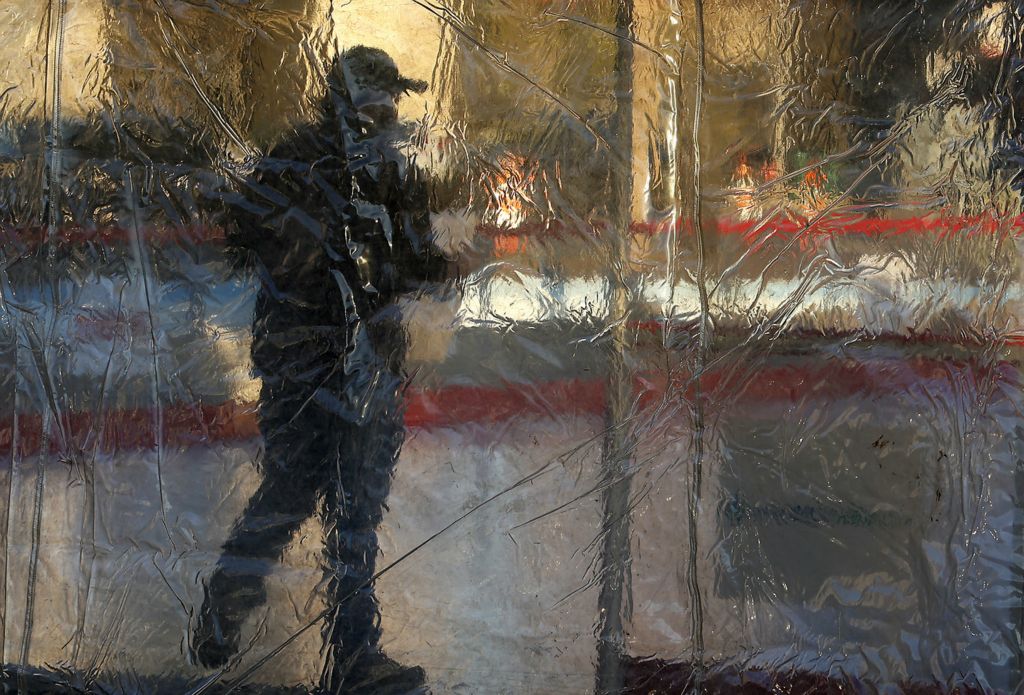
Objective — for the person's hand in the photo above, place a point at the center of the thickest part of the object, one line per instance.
(430, 324)
(454, 231)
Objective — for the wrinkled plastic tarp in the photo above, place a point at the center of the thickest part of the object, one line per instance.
(611, 346)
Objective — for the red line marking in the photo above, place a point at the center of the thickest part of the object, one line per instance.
(186, 425)
(28, 239)
(653, 676)
(82, 432)
(445, 407)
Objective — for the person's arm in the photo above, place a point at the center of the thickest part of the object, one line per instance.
(431, 315)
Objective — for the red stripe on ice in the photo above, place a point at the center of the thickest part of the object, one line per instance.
(747, 385)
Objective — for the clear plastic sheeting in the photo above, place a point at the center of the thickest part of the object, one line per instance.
(480, 346)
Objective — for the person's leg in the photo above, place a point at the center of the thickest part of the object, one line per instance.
(285, 499)
(354, 507)
(300, 445)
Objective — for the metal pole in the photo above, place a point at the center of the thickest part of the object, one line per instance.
(616, 454)
(703, 344)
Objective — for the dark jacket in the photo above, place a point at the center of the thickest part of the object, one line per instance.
(336, 219)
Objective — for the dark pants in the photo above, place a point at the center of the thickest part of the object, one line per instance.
(332, 430)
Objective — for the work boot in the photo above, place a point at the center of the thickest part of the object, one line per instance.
(227, 602)
(376, 674)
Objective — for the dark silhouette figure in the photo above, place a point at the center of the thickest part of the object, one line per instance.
(336, 223)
